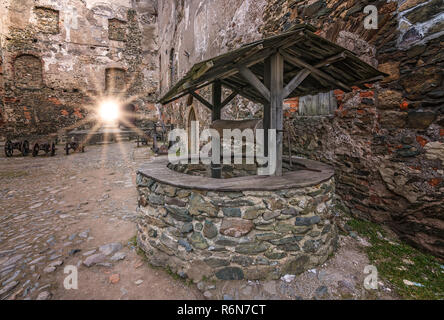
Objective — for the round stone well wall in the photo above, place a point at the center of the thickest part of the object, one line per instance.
(251, 227)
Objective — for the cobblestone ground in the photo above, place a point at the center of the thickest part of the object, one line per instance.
(67, 210)
(80, 210)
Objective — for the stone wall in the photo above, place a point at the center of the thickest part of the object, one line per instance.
(235, 235)
(195, 30)
(55, 55)
(386, 143)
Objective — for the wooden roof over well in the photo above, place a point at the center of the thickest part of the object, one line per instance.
(313, 63)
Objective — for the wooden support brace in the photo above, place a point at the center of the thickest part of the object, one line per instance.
(303, 74)
(255, 82)
(295, 82)
(201, 100)
(229, 98)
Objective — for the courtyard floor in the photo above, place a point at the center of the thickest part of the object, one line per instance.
(80, 210)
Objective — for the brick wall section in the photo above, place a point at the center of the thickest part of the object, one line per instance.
(386, 142)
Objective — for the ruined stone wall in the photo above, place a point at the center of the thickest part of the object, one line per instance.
(55, 56)
(197, 30)
(387, 142)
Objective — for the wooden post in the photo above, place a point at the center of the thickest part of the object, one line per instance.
(276, 105)
(267, 114)
(216, 169)
(217, 100)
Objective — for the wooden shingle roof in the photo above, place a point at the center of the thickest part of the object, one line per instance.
(329, 66)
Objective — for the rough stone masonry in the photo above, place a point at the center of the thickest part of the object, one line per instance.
(252, 235)
(386, 143)
(56, 56)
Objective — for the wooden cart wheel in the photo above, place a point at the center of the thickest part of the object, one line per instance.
(25, 148)
(53, 149)
(35, 150)
(9, 149)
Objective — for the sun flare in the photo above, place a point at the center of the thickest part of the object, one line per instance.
(109, 111)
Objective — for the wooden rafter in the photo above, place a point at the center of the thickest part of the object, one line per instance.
(303, 74)
(243, 92)
(296, 61)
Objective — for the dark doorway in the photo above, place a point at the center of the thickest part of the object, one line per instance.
(128, 116)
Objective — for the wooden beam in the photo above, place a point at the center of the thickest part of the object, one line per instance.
(216, 169)
(267, 110)
(276, 105)
(164, 102)
(255, 82)
(332, 59)
(314, 70)
(222, 72)
(303, 74)
(229, 98)
(217, 100)
(295, 82)
(201, 100)
(243, 93)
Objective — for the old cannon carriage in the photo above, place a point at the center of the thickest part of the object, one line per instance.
(22, 146)
(75, 146)
(47, 144)
(47, 147)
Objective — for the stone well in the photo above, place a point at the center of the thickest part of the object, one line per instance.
(248, 227)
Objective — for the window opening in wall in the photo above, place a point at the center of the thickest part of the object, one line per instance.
(117, 29)
(47, 20)
(28, 72)
(115, 80)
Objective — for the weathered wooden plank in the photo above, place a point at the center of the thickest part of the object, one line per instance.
(157, 169)
(255, 82)
(229, 69)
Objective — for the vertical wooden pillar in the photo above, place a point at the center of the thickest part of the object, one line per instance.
(216, 169)
(276, 105)
(267, 113)
(217, 100)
